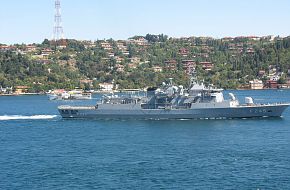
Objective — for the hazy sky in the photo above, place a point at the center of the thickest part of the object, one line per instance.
(32, 20)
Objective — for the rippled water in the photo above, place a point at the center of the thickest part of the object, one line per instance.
(39, 150)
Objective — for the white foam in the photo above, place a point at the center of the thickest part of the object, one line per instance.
(23, 117)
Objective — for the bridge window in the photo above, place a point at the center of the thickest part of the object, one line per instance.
(74, 111)
(65, 111)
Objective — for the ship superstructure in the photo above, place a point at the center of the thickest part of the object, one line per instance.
(69, 95)
(174, 102)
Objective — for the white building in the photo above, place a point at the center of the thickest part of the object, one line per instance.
(106, 87)
(256, 84)
(274, 78)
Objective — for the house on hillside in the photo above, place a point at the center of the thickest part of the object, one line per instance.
(157, 69)
(261, 73)
(125, 52)
(122, 46)
(7, 48)
(227, 39)
(119, 59)
(206, 65)
(120, 68)
(132, 65)
(111, 54)
(140, 41)
(45, 53)
(30, 48)
(106, 46)
(188, 66)
(135, 60)
(183, 52)
(89, 44)
(171, 65)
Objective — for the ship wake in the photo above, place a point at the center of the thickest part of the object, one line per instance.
(23, 117)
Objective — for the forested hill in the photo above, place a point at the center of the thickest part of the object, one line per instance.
(143, 61)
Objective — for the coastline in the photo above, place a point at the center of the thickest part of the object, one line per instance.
(22, 94)
(135, 90)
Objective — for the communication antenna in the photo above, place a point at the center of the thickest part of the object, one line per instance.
(58, 34)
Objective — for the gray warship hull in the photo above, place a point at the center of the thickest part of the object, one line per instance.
(135, 112)
(174, 102)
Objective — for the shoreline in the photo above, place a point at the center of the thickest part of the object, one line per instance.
(23, 94)
(129, 90)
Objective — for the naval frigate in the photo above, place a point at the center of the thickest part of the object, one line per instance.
(174, 102)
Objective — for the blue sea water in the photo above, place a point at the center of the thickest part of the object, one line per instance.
(40, 150)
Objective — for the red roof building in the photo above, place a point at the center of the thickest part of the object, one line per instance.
(171, 65)
(188, 66)
(184, 52)
(271, 84)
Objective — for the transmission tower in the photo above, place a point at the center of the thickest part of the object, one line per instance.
(58, 35)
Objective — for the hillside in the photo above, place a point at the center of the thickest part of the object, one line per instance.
(145, 61)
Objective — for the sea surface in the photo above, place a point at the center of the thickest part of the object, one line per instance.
(40, 150)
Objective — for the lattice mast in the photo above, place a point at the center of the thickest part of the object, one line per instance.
(58, 34)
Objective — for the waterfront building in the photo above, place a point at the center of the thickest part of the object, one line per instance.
(256, 84)
(21, 89)
(272, 84)
(106, 87)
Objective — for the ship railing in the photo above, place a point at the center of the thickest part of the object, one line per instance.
(265, 104)
(166, 106)
(64, 107)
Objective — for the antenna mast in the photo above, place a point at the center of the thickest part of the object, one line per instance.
(58, 35)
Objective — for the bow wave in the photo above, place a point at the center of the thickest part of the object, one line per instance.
(23, 117)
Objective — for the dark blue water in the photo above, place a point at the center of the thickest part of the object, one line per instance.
(39, 150)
